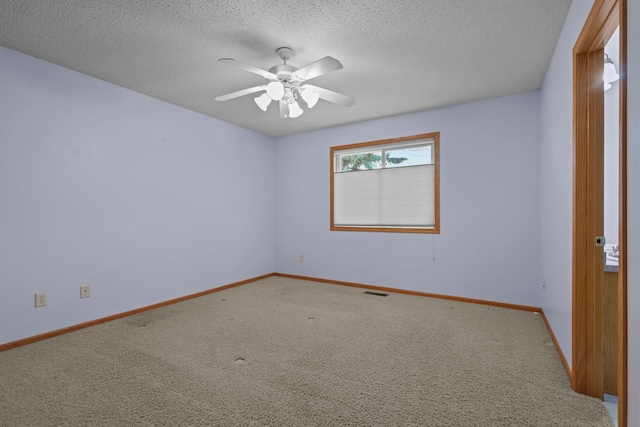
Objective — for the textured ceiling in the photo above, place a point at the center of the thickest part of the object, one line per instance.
(398, 56)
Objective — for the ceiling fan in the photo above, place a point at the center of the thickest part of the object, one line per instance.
(287, 84)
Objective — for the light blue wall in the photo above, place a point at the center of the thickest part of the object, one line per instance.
(143, 200)
(103, 186)
(633, 209)
(556, 178)
(488, 246)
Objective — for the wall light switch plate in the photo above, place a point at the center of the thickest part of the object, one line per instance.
(85, 291)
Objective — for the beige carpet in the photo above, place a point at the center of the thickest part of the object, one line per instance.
(283, 352)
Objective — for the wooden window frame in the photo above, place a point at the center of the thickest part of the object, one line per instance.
(436, 162)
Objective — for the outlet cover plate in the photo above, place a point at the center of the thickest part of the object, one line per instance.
(41, 299)
(85, 291)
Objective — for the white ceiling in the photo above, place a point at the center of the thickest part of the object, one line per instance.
(398, 56)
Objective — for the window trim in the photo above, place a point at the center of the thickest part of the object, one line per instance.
(436, 162)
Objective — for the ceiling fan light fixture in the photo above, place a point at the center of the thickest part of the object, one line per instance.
(275, 90)
(295, 110)
(263, 101)
(310, 97)
(286, 84)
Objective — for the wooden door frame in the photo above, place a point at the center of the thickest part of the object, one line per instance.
(588, 150)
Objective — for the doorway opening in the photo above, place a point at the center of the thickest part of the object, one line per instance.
(593, 362)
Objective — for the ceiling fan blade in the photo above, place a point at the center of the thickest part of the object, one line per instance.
(250, 68)
(283, 109)
(241, 93)
(331, 96)
(318, 68)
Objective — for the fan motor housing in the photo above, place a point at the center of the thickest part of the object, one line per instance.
(283, 71)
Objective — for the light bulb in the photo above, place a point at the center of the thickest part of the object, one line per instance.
(295, 110)
(310, 97)
(263, 101)
(275, 90)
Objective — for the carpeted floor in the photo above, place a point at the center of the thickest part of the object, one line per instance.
(283, 352)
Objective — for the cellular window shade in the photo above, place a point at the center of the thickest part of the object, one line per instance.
(393, 197)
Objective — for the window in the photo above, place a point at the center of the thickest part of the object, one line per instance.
(390, 185)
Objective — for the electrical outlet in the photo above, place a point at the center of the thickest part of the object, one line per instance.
(41, 299)
(85, 291)
(301, 257)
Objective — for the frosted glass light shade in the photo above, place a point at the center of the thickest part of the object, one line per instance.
(310, 97)
(275, 90)
(263, 101)
(295, 110)
(610, 73)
